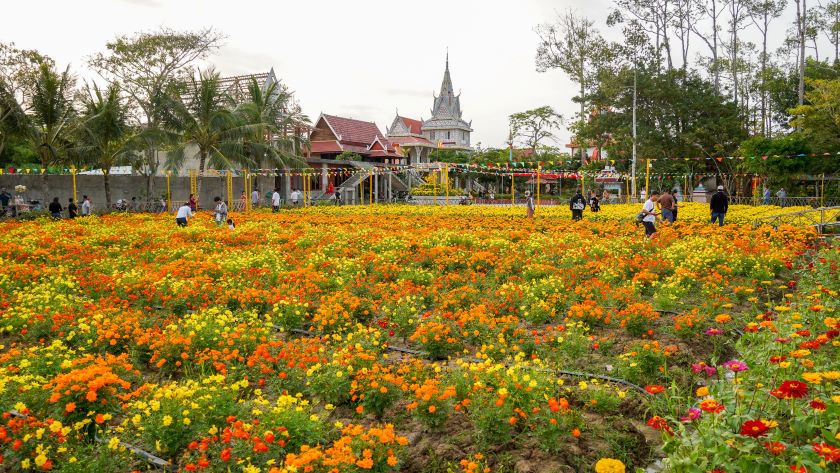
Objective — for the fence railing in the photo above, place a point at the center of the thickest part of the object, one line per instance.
(823, 219)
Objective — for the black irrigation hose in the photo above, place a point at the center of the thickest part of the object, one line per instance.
(476, 360)
(151, 459)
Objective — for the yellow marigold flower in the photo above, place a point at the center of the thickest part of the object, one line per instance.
(113, 443)
(167, 421)
(609, 465)
(702, 391)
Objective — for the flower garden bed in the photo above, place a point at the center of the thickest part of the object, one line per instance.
(416, 339)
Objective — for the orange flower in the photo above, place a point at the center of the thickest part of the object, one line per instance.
(70, 407)
(575, 433)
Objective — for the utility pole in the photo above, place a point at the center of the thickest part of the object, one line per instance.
(633, 167)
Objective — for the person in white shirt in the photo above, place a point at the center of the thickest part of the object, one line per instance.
(255, 198)
(275, 201)
(649, 211)
(184, 213)
(221, 211)
(295, 196)
(85, 206)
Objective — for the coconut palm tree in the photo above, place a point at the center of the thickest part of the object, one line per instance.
(106, 137)
(273, 117)
(202, 117)
(48, 126)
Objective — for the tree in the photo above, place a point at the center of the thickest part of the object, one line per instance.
(534, 126)
(712, 9)
(202, 117)
(149, 64)
(819, 119)
(573, 45)
(830, 25)
(105, 135)
(19, 69)
(47, 128)
(762, 13)
(655, 17)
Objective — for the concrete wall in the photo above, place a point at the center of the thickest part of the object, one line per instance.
(126, 187)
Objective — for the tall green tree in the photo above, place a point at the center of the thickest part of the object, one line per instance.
(106, 137)
(573, 45)
(534, 126)
(149, 65)
(202, 117)
(47, 128)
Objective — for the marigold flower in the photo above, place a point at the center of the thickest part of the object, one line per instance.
(609, 465)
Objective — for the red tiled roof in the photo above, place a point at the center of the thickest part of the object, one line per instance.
(413, 125)
(384, 154)
(331, 146)
(409, 140)
(354, 131)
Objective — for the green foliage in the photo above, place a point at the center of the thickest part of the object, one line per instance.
(348, 156)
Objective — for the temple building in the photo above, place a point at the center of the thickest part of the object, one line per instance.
(446, 129)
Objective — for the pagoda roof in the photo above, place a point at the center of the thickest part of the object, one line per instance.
(330, 146)
(350, 130)
(410, 141)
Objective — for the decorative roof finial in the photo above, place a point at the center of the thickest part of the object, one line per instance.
(447, 58)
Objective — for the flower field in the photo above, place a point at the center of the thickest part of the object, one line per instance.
(418, 339)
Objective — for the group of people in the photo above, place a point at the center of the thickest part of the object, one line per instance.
(781, 194)
(718, 206)
(577, 203)
(295, 197)
(220, 213)
(56, 209)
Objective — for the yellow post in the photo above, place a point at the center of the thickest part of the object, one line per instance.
(73, 172)
(539, 170)
(370, 188)
(229, 181)
(434, 185)
(685, 185)
(246, 181)
(168, 192)
(627, 187)
(822, 190)
(647, 179)
(512, 191)
(447, 185)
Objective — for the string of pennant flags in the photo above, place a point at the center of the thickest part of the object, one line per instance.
(498, 169)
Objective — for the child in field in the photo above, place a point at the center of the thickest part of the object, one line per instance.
(230, 224)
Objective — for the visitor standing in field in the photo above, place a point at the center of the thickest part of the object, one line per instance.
(643, 195)
(765, 198)
(576, 205)
(85, 206)
(221, 211)
(295, 196)
(666, 203)
(782, 195)
(230, 224)
(275, 201)
(529, 205)
(72, 209)
(184, 214)
(719, 205)
(676, 206)
(55, 208)
(649, 214)
(193, 203)
(594, 203)
(255, 198)
(605, 197)
(5, 197)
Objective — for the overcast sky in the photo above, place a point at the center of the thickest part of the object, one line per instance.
(358, 58)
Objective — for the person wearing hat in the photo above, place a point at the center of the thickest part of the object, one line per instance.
(529, 205)
(719, 205)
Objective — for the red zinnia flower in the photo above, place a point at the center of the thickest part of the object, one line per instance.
(753, 428)
(225, 454)
(654, 388)
(818, 405)
(659, 423)
(791, 390)
(712, 406)
(828, 452)
(775, 448)
(798, 469)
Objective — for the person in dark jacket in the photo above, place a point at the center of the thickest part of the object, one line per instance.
(719, 205)
(55, 208)
(72, 209)
(576, 205)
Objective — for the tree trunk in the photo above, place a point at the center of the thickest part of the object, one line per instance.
(801, 17)
(582, 119)
(763, 76)
(106, 180)
(715, 47)
(45, 187)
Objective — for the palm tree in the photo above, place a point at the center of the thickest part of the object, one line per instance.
(105, 135)
(11, 115)
(49, 125)
(273, 118)
(203, 118)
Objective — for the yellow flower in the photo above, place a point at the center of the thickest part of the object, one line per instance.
(40, 460)
(702, 391)
(832, 375)
(812, 378)
(609, 465)
(167, 421)
(113, 443)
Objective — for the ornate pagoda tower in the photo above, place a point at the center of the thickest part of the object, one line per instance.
(447, 129)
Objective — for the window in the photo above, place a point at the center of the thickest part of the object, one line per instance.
(447, 135)
(432, 135)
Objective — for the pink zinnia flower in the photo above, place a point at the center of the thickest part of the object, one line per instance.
(735, 366)
(714, 331)
(693, 414)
